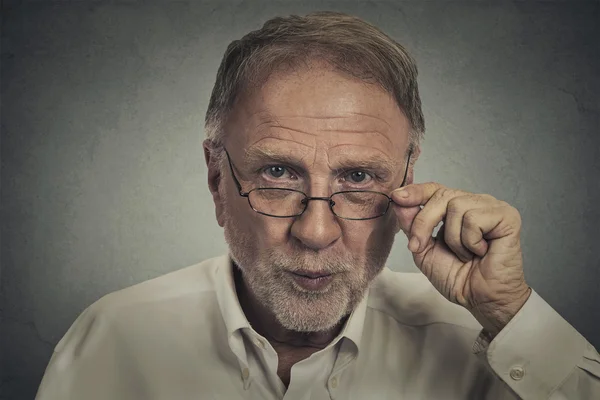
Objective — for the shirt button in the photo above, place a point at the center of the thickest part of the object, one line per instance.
(517, 373)
(334, 382)
(260, 344)
(245, 373)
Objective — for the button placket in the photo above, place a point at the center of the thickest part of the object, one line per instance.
(246, 377)
(260, 343)
(345, 357)
(333, 382)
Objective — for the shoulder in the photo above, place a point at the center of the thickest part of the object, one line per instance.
(410, 299)
(193, 280)
(147, 304)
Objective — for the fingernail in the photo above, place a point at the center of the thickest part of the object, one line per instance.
(401, 193)
(413, 244)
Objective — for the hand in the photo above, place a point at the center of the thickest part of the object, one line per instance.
(475, 260)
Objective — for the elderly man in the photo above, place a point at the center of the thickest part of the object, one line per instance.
(314, 126)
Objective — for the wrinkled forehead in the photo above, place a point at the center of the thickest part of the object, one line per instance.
(319, 107)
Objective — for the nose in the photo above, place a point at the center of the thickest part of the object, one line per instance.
(317, 228)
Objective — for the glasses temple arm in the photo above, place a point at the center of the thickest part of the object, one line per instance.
(237, 183)
(406, 171)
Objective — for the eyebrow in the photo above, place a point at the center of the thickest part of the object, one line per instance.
(384, 166)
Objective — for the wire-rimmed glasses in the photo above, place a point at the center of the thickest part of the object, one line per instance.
(288, 203)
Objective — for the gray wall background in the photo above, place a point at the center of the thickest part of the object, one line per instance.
(103, 177)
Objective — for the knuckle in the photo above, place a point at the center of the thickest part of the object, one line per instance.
(518, 217)
(434, 187)
(455, 205)
(478, 199)
(437, 194)
(504, 204)
(511, 210)
(475, 199)
(470, 217)
(443, 196)
(489, 197)
(486, 197)
(447, 192)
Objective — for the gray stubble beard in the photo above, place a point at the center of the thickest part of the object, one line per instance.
(297, 310)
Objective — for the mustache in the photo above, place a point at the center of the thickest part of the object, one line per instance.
(309, 260)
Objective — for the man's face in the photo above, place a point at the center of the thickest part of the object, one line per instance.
(320, 132)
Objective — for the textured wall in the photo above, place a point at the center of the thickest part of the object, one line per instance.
(103, 182)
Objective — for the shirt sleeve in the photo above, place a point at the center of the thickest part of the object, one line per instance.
(539, 355)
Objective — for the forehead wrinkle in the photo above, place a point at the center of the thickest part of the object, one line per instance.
(384, 155)
(345, 115)
(277, 139)
(357, 131)
(373, 132)
(267, 117)
(263, 117)
(256, 153)
(297, 130)
(371, 116)
(320, 117)
(276, 125)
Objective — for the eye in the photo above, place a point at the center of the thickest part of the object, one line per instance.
(358, 177)
(276, 171)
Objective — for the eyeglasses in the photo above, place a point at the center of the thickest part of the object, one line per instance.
(288, 203)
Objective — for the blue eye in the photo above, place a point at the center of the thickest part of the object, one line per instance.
(357, 177)
(276, 171)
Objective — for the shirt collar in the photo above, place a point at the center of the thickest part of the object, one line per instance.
(231, 310)
(235, 319)
(353, 329)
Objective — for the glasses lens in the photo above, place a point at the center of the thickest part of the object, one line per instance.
(360, 205)
(277, 202)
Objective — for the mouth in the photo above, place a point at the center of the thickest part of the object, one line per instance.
(311, 274)
(312, 281)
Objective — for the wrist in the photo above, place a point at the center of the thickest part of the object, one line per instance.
(499, 316)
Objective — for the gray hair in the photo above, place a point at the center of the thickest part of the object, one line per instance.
(348, 44)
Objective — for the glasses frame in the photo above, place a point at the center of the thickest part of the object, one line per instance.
(306, 198)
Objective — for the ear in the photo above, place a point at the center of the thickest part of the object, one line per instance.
(214, 179)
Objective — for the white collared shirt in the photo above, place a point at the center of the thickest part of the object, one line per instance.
(184, 336)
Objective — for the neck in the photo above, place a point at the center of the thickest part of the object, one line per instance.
(265, 323)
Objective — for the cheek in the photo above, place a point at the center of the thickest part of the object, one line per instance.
(356, 234)
(264, 232)
(366, 235)
(272, 232)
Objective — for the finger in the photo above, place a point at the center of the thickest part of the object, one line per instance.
(490, 223)
(472, 230)
(457, 207)
(453, 234)
(431, 215)
(461, 274)
(405, 216)
(415, 194)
